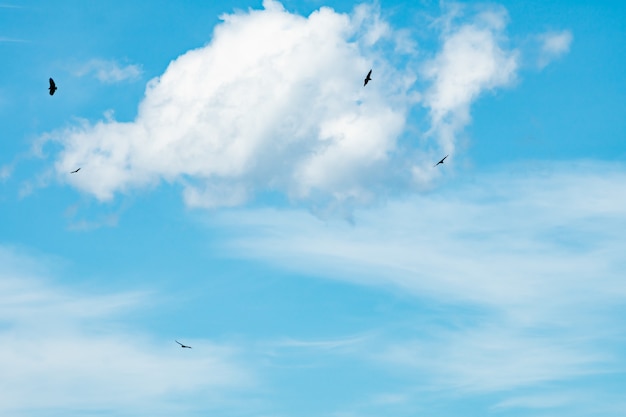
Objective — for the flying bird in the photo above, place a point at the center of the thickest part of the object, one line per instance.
(53, 87)
(74, 172)
(441, 162)
(368, 78)
(182, 346)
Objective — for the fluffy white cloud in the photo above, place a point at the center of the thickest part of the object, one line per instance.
(473, 59)
(275, 102)
(62, 350)
(110, 71)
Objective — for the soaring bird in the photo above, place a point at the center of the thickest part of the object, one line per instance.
(441, 162)
(182, 346)
(368, 78)
(74, 172)
(53, 87)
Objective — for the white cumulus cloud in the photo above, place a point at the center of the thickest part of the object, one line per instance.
(275, 103)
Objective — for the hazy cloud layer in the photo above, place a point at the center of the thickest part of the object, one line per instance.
(68, 350)
(509, 218)
(526, 265)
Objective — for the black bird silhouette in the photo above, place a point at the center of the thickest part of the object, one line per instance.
(441, 162)
(53, 87)
(74, 172)
(367, 79)
(182, 346)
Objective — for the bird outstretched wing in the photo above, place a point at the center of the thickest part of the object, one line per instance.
(53, 87)
(441, 162)
(182, 346)
(367, 78)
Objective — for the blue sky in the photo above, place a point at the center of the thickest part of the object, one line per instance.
(242, 192)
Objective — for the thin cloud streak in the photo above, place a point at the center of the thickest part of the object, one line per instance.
(13, 40)
(326, 344)
(110, 71)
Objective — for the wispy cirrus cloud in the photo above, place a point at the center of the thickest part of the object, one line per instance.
(64, 350)
(478, 212)
(525, 265)
(553, 46)
(110, 71)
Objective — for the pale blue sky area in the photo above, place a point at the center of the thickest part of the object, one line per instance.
(242, 192)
